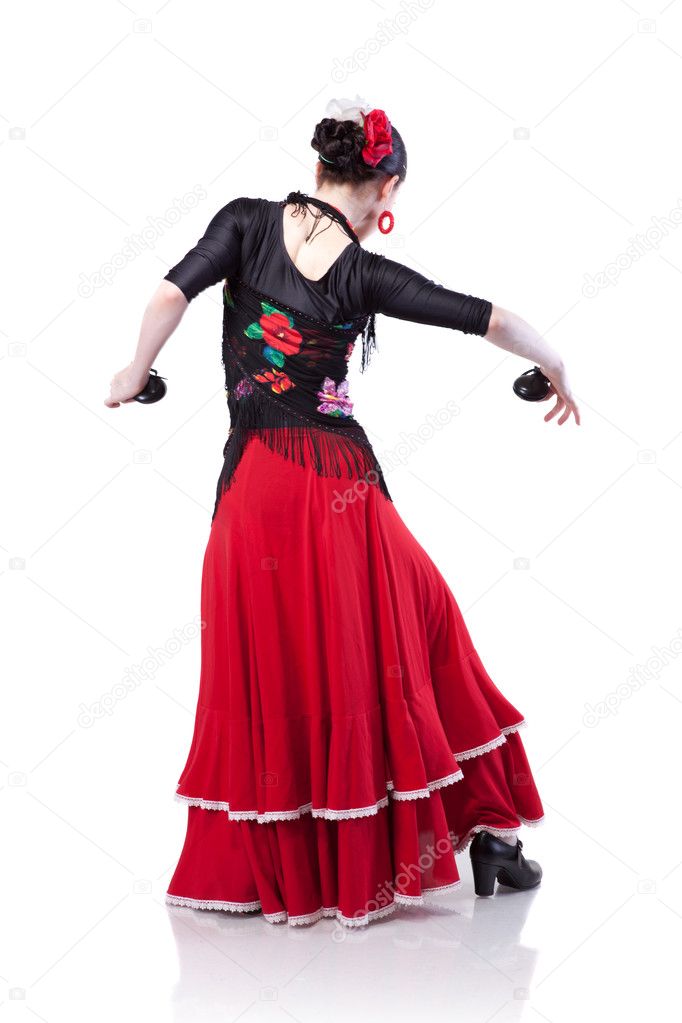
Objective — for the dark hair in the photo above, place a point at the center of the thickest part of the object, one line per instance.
(340, 145)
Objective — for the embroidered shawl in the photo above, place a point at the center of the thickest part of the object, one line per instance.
(286, 381)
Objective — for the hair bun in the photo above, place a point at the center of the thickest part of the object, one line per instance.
(339, 142)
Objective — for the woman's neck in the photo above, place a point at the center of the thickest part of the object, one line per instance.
(353, 209)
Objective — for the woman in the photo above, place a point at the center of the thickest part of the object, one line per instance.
(348, 741)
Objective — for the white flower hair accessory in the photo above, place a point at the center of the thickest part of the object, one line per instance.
(348, 109)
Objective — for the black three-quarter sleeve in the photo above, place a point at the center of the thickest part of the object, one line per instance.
(215, 256)
(397, 290)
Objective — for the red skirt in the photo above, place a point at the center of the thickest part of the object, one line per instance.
(348, 740)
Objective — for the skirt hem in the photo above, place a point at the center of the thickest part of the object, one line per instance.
(323, 911)
(353, 812)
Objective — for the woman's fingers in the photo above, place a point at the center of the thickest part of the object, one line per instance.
(564, 407)
(123, 387)
(555, 411)
(571, 407)
(115, 402)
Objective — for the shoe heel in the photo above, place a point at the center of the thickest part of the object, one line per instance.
(484, 877)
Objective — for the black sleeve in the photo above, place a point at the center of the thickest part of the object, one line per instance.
(216, 255)
(396, 290)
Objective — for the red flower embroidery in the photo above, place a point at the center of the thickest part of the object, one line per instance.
(378, 141)
(278, 382)
(279, 334)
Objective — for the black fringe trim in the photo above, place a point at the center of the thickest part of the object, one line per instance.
(343, 451)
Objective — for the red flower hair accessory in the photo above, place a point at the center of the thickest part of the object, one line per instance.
(378, 140)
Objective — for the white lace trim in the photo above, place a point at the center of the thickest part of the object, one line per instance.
(205, 804)
(439, 783)
(231, 907)
(342, 815)
(347, 921)
(514, 728)
(459, 845)
(283, 815)
(282, 917)
(324, 812)
(499, 740)
(275, 815)
(362, 811)
(427, 893)
(324, 911)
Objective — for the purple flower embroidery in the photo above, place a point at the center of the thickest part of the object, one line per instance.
(243, 388)
(334, 398)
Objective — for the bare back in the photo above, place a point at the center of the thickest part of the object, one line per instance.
(315, 257)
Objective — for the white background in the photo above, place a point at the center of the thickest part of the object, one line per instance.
(542, 138)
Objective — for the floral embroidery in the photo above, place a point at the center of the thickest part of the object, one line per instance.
(279, 382)
(334, 398)
(349, 350)
(243, 388)
(273, 356)
(276, 330)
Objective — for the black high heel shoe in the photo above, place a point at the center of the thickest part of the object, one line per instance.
(492, 859)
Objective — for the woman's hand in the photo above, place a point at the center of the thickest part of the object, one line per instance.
(510, 332)
(162, 315)
(125, 385)
(565, 403)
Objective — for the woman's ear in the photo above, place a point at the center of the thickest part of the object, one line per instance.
(389, 190)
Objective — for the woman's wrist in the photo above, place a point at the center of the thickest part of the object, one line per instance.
(513, 334)
(552, 364)
(138, 373)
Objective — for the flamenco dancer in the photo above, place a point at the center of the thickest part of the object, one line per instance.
(348, 741)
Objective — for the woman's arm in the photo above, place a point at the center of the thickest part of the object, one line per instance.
(215, 256)
(161, 317)
(513, 334)
(398, 290)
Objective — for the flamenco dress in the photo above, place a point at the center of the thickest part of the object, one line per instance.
(348, 740)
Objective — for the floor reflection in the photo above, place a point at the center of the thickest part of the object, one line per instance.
(456, 954)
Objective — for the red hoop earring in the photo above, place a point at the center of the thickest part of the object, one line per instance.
(391, 221)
